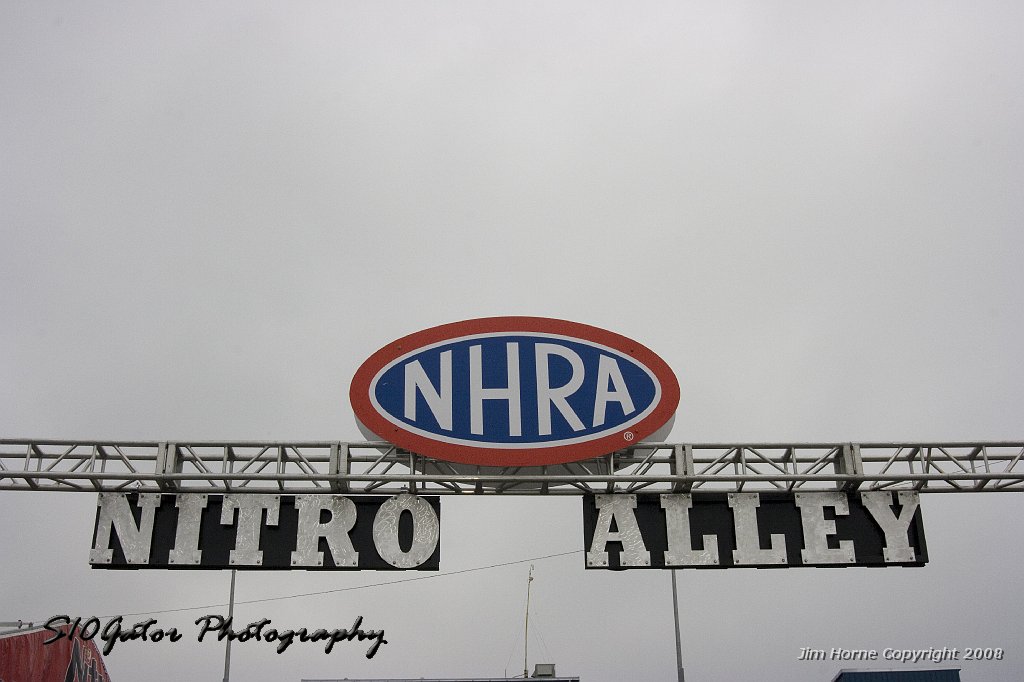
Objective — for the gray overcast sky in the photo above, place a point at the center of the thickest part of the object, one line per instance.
(210, 214)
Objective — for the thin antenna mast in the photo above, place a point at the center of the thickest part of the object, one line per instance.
(526, 634)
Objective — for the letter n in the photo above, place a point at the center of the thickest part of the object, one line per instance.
(115, 511)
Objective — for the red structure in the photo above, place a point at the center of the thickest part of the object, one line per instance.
(25, 658)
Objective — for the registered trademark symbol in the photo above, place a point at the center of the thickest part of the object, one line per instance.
(628, 435)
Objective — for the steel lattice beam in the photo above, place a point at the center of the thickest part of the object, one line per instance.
(377, 467)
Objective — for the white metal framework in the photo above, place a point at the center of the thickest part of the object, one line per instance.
(379, 468)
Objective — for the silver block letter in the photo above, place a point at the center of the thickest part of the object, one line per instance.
(748, 550)
(135, 540)
(620, 509)
(250, 519)
(336, 530)
(425, 531)
(897, 543)
(186, 538)
(677, 520)
(817, 528)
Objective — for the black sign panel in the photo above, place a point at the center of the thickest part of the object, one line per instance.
(761, 530)
(266, 531)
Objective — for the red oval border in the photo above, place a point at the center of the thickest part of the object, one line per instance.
(359, 394)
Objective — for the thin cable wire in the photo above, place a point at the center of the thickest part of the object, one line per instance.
(540, 636)
(512, 651)
(345, 589)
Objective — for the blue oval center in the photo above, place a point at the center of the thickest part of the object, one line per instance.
(515, 389)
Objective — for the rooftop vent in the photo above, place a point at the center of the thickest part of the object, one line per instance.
(544, 670)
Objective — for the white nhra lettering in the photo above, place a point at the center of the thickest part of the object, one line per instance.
(608, 371)
(611, 387)
(439, 401)
(559, 396)
(478, 394)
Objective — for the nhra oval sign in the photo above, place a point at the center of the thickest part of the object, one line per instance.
(514, 391)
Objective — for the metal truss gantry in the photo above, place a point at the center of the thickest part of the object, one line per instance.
(355, 468)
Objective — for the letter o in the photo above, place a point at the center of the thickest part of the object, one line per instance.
(425, 531)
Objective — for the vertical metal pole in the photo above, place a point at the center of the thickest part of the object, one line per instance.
(526, 635)
(675, 615)
(231, 614)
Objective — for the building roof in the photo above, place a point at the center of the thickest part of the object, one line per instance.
(441, 679)
(898, 675)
